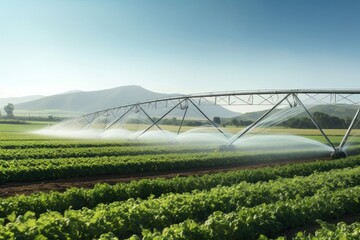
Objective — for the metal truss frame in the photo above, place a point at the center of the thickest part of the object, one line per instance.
(273, 98)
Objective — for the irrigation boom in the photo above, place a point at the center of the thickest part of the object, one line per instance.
(182, 104)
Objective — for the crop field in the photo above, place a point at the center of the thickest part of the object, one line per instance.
(54, 188)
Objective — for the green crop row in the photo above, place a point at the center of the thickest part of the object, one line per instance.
(42, 169)
(30, 170)
(65, 152)
(55, 143)
(130, 217)
(265, 219)
(104, 193)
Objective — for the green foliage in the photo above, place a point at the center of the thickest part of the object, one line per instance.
(324, 120)
(252, 209)
(18, 153)
(104, 193)
(270, 219)
(9, 109)
(217, 120)
(244, 204)
(236, 122)
(78, 162)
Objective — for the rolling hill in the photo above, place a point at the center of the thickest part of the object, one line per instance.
(86, 102)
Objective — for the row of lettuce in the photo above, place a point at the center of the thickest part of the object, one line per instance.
(45, 169)
(270, 219)
(81, 151)
(105, 193)
(220, 206)
(66, 143)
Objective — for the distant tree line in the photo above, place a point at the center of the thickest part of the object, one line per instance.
(176, 122)
(324, 120)
(9, 110)
(238, 122)
(191, 123)
(49, 118)
(187, 122)
(303, 122)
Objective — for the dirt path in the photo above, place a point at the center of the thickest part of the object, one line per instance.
(27, 188)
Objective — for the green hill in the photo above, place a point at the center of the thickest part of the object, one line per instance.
(86, 102)
(343, 111)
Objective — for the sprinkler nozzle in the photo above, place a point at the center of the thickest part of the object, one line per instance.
(338, 153)
(226, 148)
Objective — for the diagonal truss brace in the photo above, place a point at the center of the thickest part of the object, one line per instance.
(119, 118)
(152, 120)
(212, 123)
(157, 121)
(347, 134)
(89, 122)
(314, 121)
(95, 116)
(186, 107)
(243, 132)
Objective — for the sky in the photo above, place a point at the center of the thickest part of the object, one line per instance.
(52, 46)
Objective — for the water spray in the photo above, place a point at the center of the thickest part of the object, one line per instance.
(339, 153)
(111, 123)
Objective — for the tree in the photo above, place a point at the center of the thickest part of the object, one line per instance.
(217, 120)
(329, 122)
(324, 120)
(9, 109)
(235, 122)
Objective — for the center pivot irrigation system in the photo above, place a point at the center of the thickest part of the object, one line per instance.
(154, 112)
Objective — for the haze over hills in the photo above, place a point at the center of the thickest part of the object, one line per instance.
(91, 101)
(86, 102)
(79, 102)
(17, 100)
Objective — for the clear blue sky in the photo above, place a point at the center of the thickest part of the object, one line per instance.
(187, 46)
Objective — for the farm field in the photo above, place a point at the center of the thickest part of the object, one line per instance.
(55, 188)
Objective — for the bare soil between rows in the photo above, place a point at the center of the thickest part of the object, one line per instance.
(311, 229)
(11, 189)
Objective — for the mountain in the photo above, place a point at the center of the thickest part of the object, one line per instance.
(86, 102)
(90, 101)
(17, 100)
(71, 91)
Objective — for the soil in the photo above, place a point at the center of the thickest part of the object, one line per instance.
(348, 219)
(11, 189)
